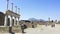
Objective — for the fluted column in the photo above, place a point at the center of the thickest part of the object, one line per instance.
(5, 23)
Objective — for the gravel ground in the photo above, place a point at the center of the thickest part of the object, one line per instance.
(42, 30)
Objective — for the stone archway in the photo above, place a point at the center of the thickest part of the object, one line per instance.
(10, 21)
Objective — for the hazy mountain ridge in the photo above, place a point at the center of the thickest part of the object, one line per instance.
(36, 20)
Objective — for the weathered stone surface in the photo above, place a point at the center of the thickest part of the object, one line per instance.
(4, 29)
(16, 29)
(2, 15)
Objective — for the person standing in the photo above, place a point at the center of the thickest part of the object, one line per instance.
(23, 26)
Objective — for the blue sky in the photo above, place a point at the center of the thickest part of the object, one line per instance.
(39, 9)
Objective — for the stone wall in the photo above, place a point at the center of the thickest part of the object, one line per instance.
(16, 29)
(4, 29)
(2, 15)
(29, 25)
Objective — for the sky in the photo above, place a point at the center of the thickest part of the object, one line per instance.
(39, 9)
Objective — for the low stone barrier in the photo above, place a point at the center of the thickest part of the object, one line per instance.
(4, 29)
(16, 29)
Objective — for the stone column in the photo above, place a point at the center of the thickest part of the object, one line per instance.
(11, 21)
(5, 23)
(18, 21)
(15, 21)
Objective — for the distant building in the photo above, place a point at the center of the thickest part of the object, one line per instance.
(25, 21)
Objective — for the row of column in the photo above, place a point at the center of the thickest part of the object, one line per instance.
(16, 22)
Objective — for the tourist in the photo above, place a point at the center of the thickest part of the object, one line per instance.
(23, 26)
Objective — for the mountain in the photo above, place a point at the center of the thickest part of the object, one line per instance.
(32, 19)
(36, 20)
(41, 20)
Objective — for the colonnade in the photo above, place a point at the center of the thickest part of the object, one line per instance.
(12, 22)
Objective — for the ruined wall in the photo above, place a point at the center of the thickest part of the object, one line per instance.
(4, 29)
(2, 19)
(16, 29)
